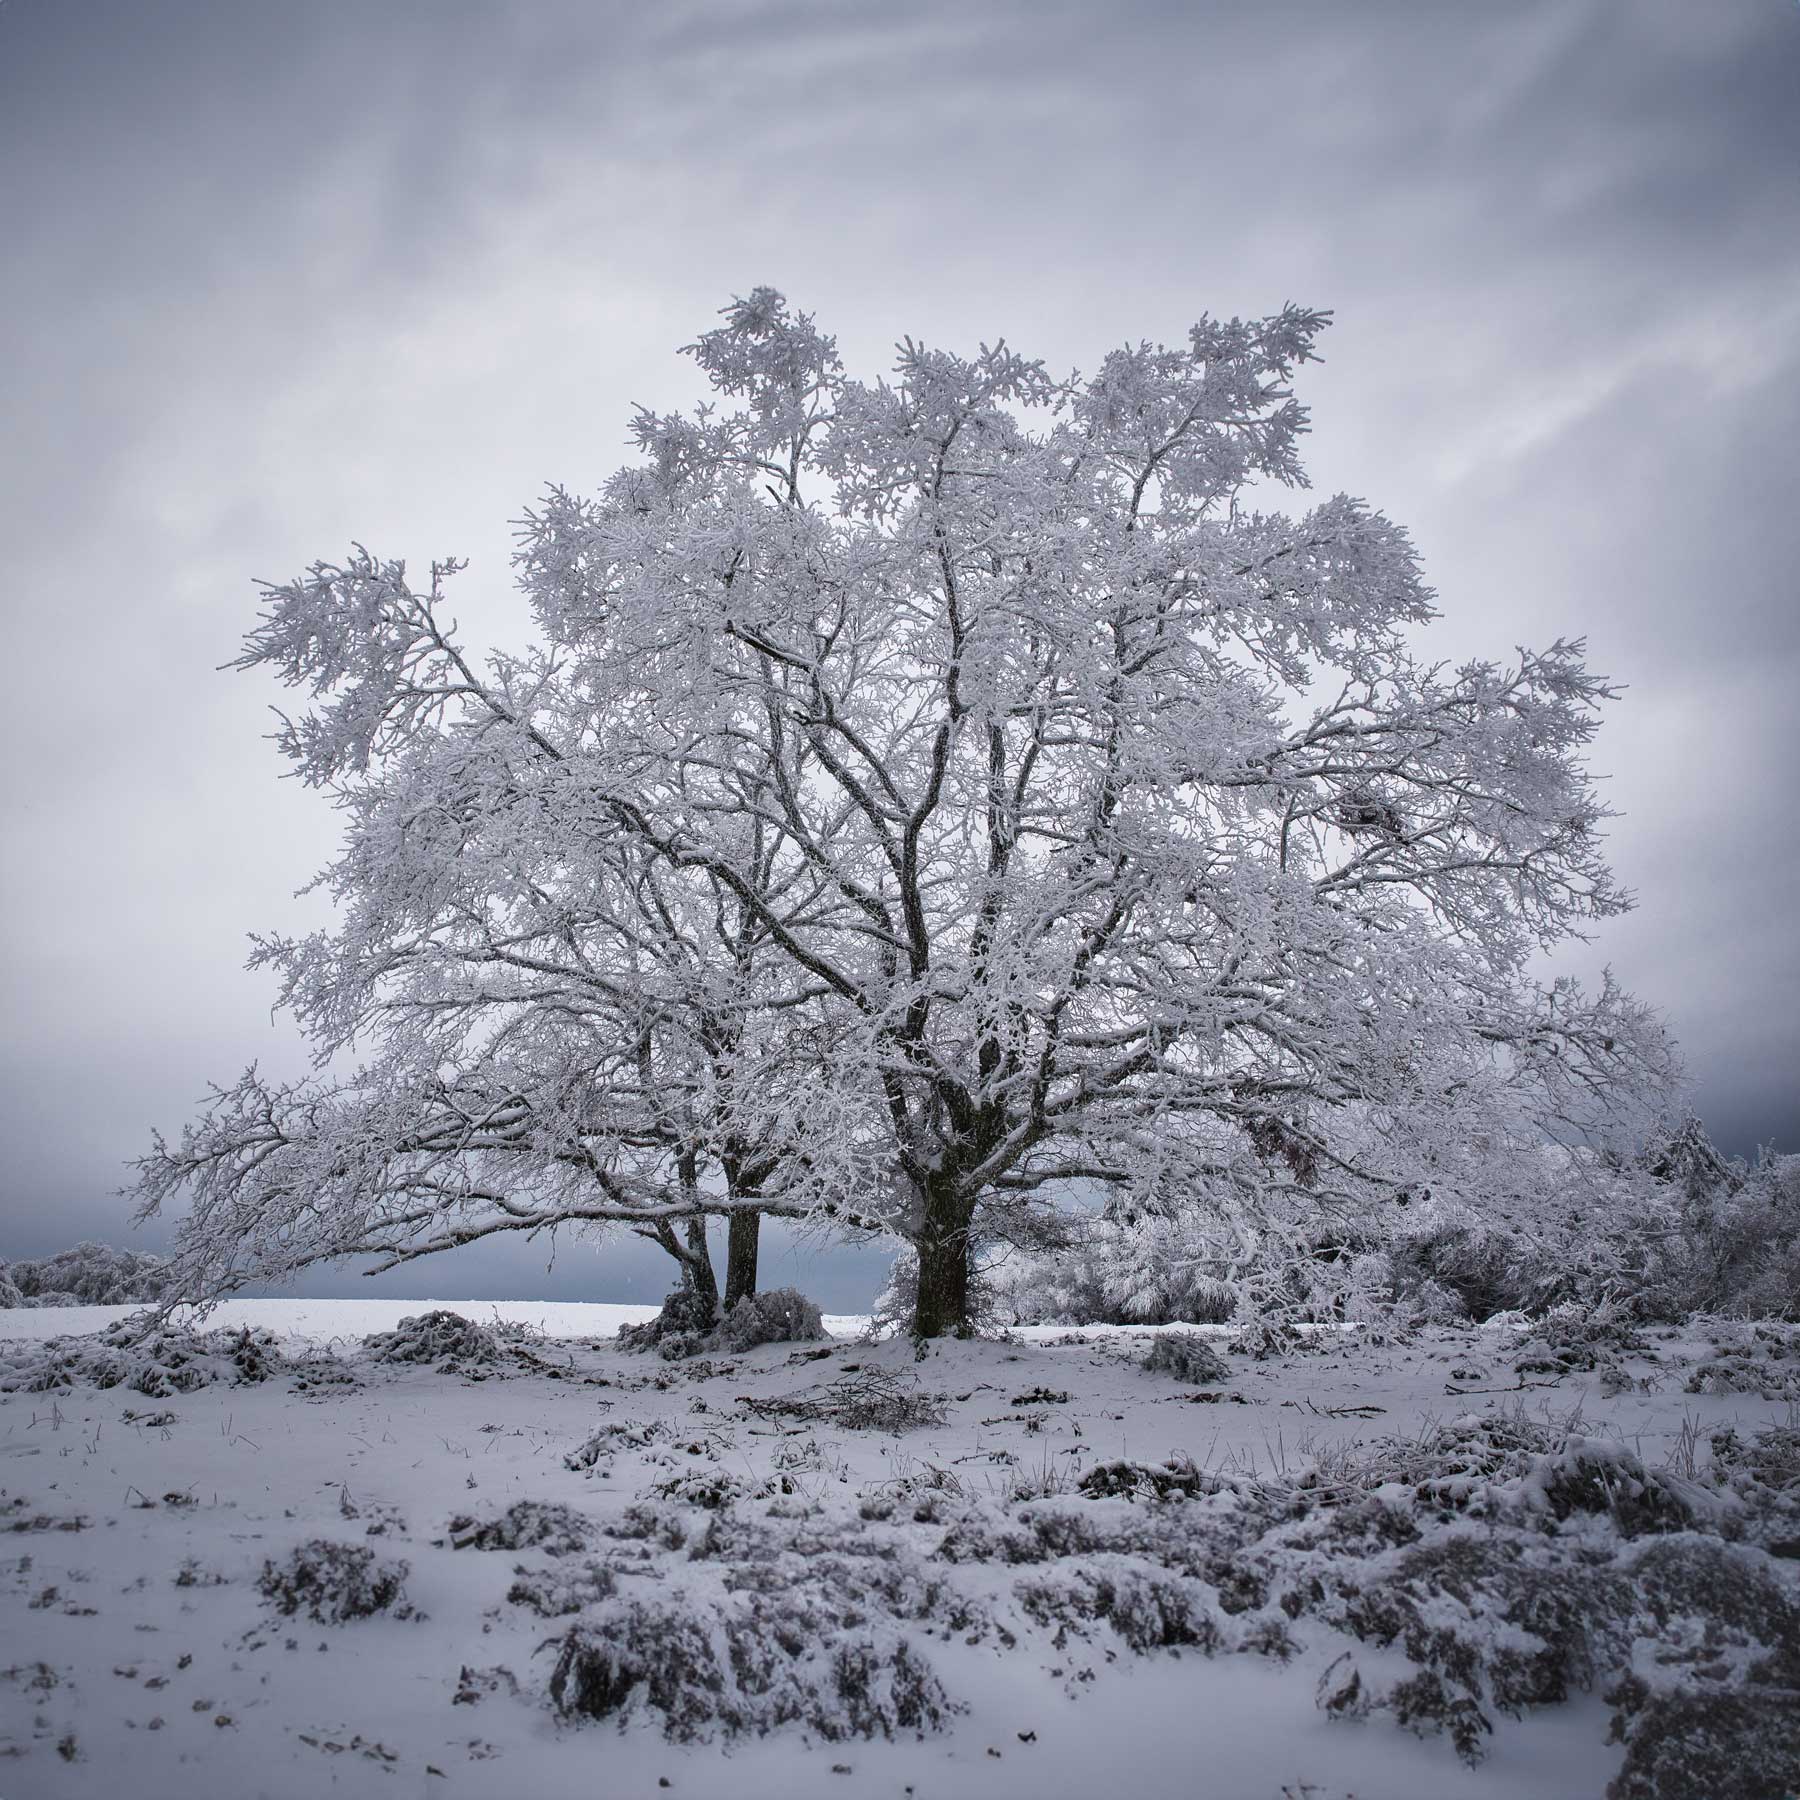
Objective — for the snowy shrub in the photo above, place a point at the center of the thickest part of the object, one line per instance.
(525, 1525)
(1586, 1475)
(881, 1688)
(1765, 1470)
(663, 1657)
(1723, 1744)
(686, 1326)
(1106, 1275)
(1484, 1271)
(256, 1356)
(1587, 1572)
(709, 1489)
(1573, 1340)
(776, 1316)
(556, 1593)
(1718, 1711)
(1677, 1231)
(759, 1662)
(333, 1583)
(473, 1686)
(920, 1489)
(1498, 1622)
(1763, 1361)
(1188, 1358)
(1580, 1231)
(1148, 1610)
(319, 1371)
(1453, 1469)
(1483, 1628)
(1671, 1232)
(1735, 1245)
(89, 1275)
(1177, 1479)
(1744, 1592)
(679, 1330)
(609, 1440)
(157, 1363)
(652, 1522)
(444, 1338)
(1046, 1480)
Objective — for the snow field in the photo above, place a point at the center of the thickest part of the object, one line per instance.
(143, 1657)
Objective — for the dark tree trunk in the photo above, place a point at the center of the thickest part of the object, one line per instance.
(694, 1256)
(697, 1265)
(741, 1242)
(943, 1303)
(694, 1260)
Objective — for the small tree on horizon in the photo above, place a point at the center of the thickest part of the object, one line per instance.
(915, 805)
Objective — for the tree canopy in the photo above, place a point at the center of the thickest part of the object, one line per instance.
(922, 796)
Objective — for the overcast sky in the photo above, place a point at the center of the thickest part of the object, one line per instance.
(280, 274)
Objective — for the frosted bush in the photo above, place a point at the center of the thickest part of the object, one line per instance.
(709, 1489)
(759, 1661)
(525, 1525)
(557, 1592)
(444, 1338)
(154, 1362)
(1675, 1231)
(1177, 1479)
(776, 1316)
(1107, 1275)
(1480, 1271)
(687, 1325)
(333, 1583)
(1187, 1358)
(609, 1440)
(89, 1275)
(679, 1330)
(1672, 1231)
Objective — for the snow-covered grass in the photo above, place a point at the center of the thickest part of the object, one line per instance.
(724, 1554)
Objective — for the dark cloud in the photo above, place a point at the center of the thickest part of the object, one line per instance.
(280, 276)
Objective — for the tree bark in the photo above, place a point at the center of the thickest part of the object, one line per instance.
(741, 1243)
(942, 1309)
(698, 1265)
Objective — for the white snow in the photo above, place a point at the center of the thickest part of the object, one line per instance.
(169, 1675)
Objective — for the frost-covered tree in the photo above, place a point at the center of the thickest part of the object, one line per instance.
(925, 795)
(561, 1025)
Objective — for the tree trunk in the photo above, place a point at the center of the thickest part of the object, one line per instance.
(698, 1266)
(742, 1236)
(942, 1309)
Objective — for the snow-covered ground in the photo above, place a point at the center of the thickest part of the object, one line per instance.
(1014, 1633)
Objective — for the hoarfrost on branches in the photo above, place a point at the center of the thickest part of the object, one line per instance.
(924, 795)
